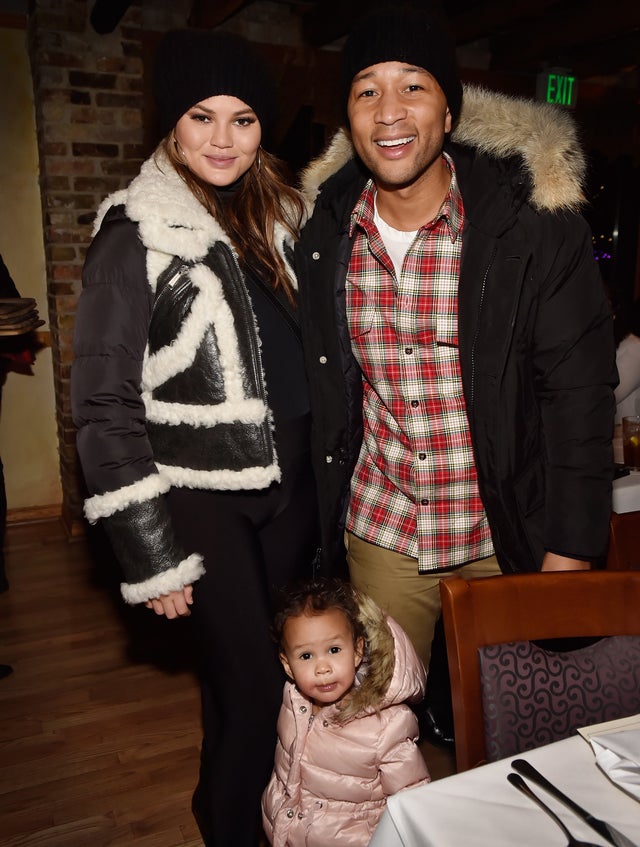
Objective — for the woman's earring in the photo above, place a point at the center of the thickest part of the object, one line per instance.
(179, 152)
(258, 160)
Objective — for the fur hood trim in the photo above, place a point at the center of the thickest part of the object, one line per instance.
(500, 126)
(390, 673)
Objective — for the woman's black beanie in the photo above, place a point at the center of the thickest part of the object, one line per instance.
(192, 65)
(404, 33)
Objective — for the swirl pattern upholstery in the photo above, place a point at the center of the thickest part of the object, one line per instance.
(532, 696)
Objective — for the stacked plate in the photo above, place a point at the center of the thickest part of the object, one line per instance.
(18, 315)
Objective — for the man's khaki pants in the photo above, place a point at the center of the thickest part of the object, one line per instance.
(411, 598)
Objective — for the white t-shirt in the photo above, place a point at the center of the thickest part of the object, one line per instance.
(396, 241)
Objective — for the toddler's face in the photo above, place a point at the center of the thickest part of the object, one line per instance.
(320, 656)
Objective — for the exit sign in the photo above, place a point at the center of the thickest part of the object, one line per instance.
(557, 86)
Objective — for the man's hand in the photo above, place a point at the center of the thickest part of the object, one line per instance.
(555, 562)
(173, 605)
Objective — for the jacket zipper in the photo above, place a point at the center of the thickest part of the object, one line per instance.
(231, 260)
(175, 271)
(477, 332)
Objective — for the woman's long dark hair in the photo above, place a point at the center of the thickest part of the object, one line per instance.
(263, 198)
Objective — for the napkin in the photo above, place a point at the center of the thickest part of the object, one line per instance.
(618, 755)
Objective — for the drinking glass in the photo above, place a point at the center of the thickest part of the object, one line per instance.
(631, 441)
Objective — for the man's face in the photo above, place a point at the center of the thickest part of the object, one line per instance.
(399, 117)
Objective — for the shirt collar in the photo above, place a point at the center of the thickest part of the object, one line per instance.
(451, 211)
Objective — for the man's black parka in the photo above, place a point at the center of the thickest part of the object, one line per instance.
(535, 333)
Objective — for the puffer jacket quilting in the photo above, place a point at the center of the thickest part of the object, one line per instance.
(331, 778)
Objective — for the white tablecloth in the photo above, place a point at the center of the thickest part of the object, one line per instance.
(480, 808)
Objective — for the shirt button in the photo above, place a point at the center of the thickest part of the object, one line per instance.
(424, 502)
(408, 350)
(415, 403)
(315, 256)
(323, 360)
(289, 813)
(328, 459)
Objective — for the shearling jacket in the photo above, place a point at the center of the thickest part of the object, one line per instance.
(332, 776)
(535, 334)
(167, 383)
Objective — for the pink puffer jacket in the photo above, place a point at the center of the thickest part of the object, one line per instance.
(331, 780)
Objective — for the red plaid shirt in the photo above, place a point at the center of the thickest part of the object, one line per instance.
(414, 489)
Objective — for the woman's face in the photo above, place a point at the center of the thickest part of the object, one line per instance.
(218, 139)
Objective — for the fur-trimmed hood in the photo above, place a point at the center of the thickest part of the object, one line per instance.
(501, 126)
(390, 673)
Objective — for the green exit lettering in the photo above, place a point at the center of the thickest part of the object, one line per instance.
(560, 89)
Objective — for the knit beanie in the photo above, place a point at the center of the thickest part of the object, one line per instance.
(404, 33)
(193, 65)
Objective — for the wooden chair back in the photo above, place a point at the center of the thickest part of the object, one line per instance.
(624, 542)
(524, 607)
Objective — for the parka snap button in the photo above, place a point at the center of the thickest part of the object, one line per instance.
(323, 360)
(325, 723)
(300, 816)
(290, 813)
(315, 255)
(329, 459)
(303, 709)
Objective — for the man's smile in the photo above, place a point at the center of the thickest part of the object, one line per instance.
(395, 142)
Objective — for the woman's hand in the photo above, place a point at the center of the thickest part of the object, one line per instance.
(173, 605)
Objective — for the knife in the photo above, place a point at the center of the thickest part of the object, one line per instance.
(606, 830)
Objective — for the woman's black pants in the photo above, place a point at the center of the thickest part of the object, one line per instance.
(253, 543)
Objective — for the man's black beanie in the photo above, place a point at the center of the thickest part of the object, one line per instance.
(193, 65)
(404, 33)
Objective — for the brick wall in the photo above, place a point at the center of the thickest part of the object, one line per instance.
(88, 91)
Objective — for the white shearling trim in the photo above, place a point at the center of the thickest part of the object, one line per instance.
(209, 309)
(244, 411)
(103, 505)
(186, 573)
(157, 263)
(118, 198)
(282, 237)
(223, 480)
(171, 219)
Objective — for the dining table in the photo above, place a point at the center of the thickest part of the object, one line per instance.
(480, 808)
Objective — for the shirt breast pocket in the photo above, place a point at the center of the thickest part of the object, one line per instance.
(361, 322)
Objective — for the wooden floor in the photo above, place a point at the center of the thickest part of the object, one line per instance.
(99, 721)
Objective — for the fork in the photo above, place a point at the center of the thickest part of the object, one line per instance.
(517, 781)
